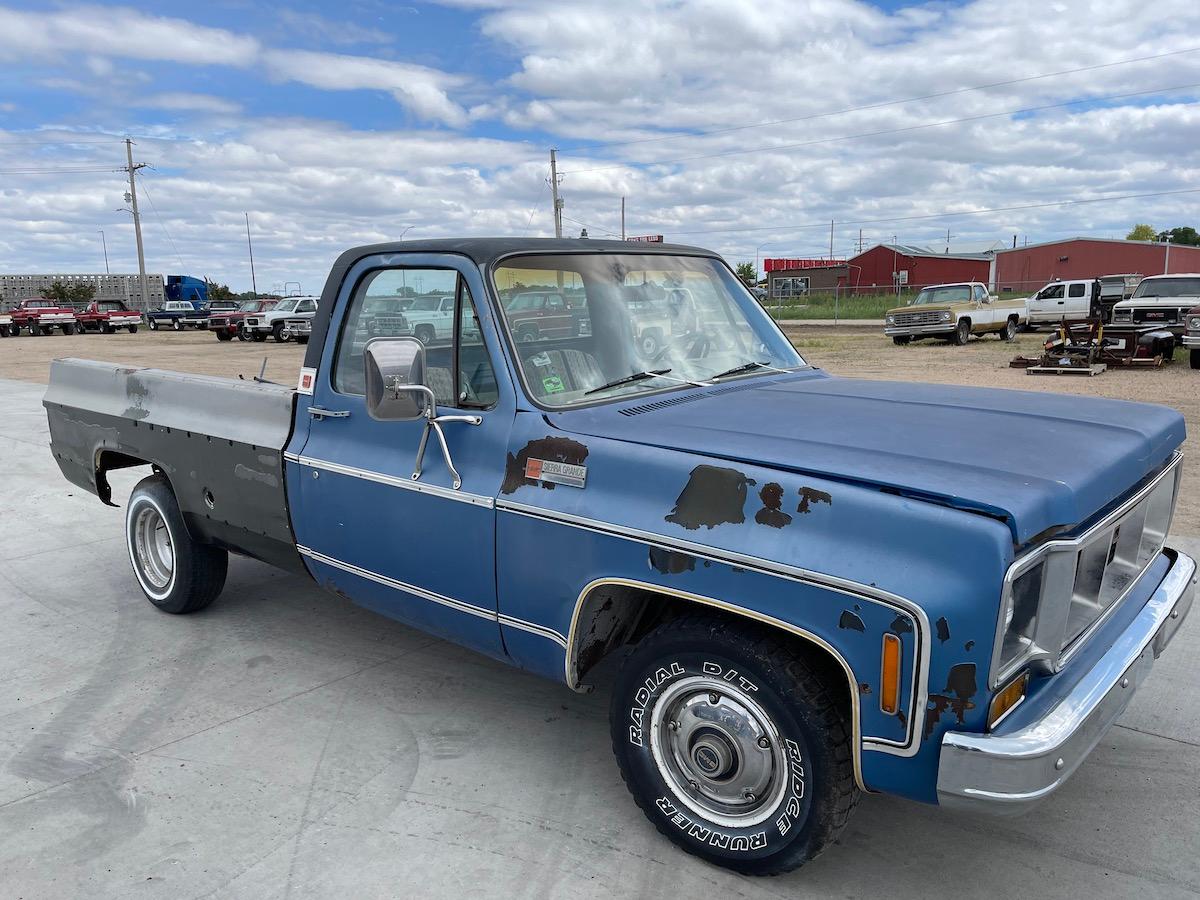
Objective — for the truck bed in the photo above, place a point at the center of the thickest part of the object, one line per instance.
(220, 442)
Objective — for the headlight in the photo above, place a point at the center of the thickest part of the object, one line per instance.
(947, 315)
(1194, 322)
(1123, 315)
(1020, 616)
(891, 320)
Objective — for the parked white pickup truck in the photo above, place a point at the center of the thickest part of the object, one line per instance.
(1072, 300)
(1160, 300)
(431, 317)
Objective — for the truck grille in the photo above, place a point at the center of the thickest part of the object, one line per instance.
(1158, 316)
(918, 318)
(218, 322)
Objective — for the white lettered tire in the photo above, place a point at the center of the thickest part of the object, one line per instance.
(177, 574)
(733, 744)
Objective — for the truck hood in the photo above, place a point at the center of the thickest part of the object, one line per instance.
(927, 307)
(1038, 460)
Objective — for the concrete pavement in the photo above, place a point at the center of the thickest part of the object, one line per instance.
(286, 744)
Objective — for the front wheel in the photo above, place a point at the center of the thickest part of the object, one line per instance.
(133, 329)
(224, 335)
(241, 334)
(280, 333)
(153, 323)
(68, 329)
(733, 745)
(901, 340)
(177, 574)
(425, 334)
(962, 333)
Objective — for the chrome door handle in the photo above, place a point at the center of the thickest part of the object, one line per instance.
(319, 412)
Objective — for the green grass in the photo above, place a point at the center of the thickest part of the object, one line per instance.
(822, 306)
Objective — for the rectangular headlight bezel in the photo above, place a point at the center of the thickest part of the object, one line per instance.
(1049, 647)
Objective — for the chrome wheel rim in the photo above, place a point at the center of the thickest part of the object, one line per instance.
(152, 544)
(719, 751)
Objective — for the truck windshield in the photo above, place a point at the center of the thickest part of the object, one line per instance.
(285, 305)
(955, 293)
(1168, 287)
(667, 321)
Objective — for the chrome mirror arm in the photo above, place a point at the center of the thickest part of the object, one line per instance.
(434, 422)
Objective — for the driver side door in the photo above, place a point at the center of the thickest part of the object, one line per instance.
(417, 549)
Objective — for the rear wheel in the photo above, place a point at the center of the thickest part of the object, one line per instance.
(1009, 333)
(47, 330)
(962, 332)
(177, 324)
(527, 334)
(107, 329)
(68, 328)
(733, 744)
(177, 574)
(133, 329)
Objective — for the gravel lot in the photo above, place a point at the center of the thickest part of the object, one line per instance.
(846, 350)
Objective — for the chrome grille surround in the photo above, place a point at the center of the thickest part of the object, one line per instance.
(1086, 578)
(933, 317)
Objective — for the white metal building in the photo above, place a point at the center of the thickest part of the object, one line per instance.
(108, 287)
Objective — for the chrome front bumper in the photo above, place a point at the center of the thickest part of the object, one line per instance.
(1192, 341)
(1008, 773)
(916, 330)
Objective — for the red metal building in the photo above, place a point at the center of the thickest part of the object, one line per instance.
(881, 268)
(1025, 269)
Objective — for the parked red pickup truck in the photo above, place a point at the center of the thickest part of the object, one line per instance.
(39, 316)
(227, 324)
(106, 316)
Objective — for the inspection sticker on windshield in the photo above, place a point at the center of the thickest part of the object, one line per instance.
(555, 472)
(553, 384)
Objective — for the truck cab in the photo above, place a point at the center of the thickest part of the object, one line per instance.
(802, 587)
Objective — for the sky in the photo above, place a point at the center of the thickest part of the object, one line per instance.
(745, 126)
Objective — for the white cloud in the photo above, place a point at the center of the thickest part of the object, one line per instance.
(103, 33)
(186, 102)
(588, 73)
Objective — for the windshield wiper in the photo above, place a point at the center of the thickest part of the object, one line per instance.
(745, 367)
(630, 379)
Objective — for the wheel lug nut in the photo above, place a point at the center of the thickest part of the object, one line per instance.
(674, 726)
(694, 785)
(714, 699)
(764, 743)
(749, 795)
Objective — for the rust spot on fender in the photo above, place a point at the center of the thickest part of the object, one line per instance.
(900, 625)
(943, 629)
(558, 449)
(671, 562)
(961, 686)
(968, 646)
(864, 688)
(713, 496)
(851, 621)
(810, 496)
(772, 513)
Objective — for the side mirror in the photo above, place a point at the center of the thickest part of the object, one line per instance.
(395, 379)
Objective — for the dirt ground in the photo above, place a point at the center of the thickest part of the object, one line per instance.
(851, 351)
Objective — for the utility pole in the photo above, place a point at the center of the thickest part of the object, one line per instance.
(947, 240)
(831, 240)
(1167, 259)
(137, 218)
(104, 244)
(250, 247)
(622, 218)
(558, 204)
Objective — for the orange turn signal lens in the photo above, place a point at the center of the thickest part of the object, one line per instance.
(1007, 698)
(889, 681)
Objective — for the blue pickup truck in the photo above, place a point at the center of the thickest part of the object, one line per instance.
(797, 587)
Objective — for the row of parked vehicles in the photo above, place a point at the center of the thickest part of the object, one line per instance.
(1153, 308)
(44, 317)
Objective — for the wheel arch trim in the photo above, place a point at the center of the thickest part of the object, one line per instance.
(725, 606)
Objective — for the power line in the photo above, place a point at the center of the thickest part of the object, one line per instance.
(944, 215)
(6, 143)
(163, 226)
(882, 104)
(64, 170)
(886, 131)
